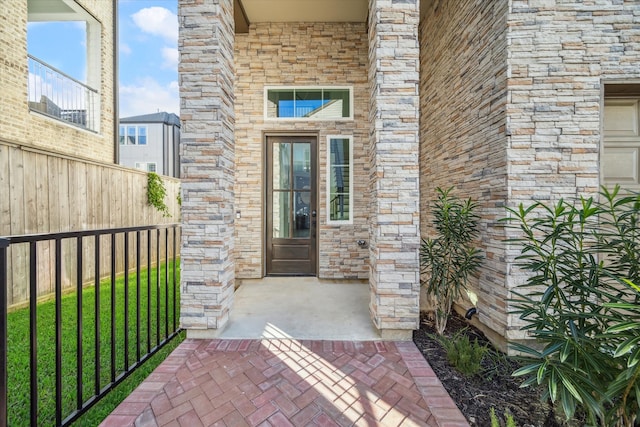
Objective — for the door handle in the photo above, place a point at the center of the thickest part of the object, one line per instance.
(313, 213)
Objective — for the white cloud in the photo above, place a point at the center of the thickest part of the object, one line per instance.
(125, 48)
(148, 96)
(158, 21)
(170, 56)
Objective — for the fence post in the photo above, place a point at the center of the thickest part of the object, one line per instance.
(4, 244)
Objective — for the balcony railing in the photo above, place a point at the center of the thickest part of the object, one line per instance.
(57, 95)
(63, 355)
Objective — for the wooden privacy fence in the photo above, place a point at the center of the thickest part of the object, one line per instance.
(43, 192)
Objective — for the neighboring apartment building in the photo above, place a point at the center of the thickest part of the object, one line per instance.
(310, 127)
(151, 142)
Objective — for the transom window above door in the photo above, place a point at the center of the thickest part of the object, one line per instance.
(309, 103)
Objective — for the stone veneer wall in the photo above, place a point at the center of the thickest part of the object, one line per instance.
(19, 126)
(560, 54)
(300, 54)
(394, 219)
(207, 170)
(463, 140)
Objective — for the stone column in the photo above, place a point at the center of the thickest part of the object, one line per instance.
(394, 169)
(207, 164)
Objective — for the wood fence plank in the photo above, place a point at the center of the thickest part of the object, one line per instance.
(69, 252)
(5, 211)
(45, 250)
(17, 289)
(5, 192)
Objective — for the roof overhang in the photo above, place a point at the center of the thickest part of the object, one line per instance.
(249, 11)
(54, 10)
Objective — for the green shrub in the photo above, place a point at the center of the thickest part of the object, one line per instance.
(580, 304)
(462, 354)
(450, 258)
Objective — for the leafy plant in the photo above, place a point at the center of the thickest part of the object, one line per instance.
(494, 418)
(580, 305)
(462, 354)
(449, 258)
(156, 192)
(495, 422)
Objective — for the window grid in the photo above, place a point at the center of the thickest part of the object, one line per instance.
(133, 135)
(315, 103)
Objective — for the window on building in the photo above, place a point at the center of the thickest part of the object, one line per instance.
(621, 136)
(309, 103)
(147, 166)
(133, 135)
(340, 179)
(142, 135)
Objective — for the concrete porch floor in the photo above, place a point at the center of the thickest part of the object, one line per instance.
(301, 308)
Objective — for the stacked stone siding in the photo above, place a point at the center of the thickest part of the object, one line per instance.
(17, 124)
(463, 141)
(208, 170)
(560, 55)
(300, 54)
(394, 219)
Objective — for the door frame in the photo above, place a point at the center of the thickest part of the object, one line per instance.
(265, 189)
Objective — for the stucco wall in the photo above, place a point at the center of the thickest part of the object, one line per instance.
(560, 55)
(463, 141)
(303, 54)
(17, 124)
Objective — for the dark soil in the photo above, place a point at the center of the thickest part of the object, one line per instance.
(493, 387)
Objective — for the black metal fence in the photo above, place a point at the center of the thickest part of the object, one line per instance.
(101, 331)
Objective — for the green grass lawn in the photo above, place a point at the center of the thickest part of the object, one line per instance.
(151, 298)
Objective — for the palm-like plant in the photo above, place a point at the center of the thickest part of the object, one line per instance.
(450, 258)
(581, 305)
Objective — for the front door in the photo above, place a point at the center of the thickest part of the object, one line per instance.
(291, 205)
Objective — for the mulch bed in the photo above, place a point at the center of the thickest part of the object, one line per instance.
(493, 387)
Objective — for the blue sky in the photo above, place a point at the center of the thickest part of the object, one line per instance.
(148, 54)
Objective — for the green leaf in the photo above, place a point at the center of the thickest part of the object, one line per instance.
(570, 386)
(521, 348)
(634, 359)
(623, 327)
(553, 386)
(541, 372)
(566, 350)
(526, 370)
(551, 349)
(626, 346)
(568, 403)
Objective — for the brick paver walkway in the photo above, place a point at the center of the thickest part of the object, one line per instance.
(290, 383)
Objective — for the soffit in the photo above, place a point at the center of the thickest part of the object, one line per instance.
(53, 10)
(305, 10)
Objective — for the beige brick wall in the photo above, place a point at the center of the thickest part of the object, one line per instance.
(560, 55)
(463, 140)
(302, 55)
(17, 124)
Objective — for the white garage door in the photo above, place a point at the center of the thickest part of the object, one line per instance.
(621, 154)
